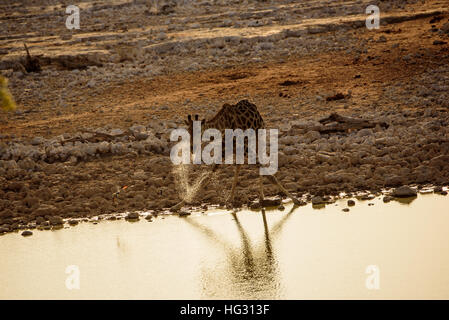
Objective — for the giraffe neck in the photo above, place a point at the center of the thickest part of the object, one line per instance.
(220, 121)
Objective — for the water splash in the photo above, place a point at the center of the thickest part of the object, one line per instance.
(187, 190)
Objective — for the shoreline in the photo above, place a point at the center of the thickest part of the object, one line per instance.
(273, 204)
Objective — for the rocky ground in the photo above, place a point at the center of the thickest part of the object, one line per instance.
(91, 134)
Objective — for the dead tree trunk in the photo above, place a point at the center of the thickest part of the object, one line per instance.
(337, 123)
(31, 63)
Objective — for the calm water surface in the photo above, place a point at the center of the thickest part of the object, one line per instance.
(302, 254)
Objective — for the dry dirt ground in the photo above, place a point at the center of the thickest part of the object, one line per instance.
(398, 74)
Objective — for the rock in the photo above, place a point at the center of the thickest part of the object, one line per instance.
(118, 148)
(255, 205)
(3, 229)
(6, 213)
(73, 222)
(14, 186)
(264, 46)
(132, 216)
(289, 140)
(73, 159)
(91, 150)
(139, 132)
(387, 199)
(393, 181)
(293, 33)
(290, 150)
(56, 221)
(31, 202)
(345, 210)
(116, 132)
(27, 233)
(66, 37)
(337, 96)
(382, 39)
(271, 202)
(136, 129)
(103, 147)
(367, 197)
(317, 200)
(184, 213)
(254, 23)
(26, 164)
(141, 135)
(9, 165)
(321, 157)
(311, 136)
(404, 192)
(140, 175)
(440, 162)
(91, 83)
(37, 141)
(45, 210)
(351, 203)
(445, 28)
(424, 173)
(317, 29)
(40, 220)
(439, 42)
(365, 132)
(425, 191)
(162, 36)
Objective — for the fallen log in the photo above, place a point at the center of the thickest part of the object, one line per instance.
(337, 123)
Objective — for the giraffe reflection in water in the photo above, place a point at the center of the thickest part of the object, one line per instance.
(250, 271)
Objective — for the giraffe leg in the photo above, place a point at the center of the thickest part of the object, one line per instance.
(177, 206)
(261, 196)
(230, 198)
(276, 182)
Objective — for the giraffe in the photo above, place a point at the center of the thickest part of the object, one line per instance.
(243, 115)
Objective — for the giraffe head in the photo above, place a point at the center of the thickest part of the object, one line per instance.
(189, 123)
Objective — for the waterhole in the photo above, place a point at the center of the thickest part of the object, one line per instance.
(303, 253)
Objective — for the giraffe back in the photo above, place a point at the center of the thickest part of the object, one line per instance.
(243, 115)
